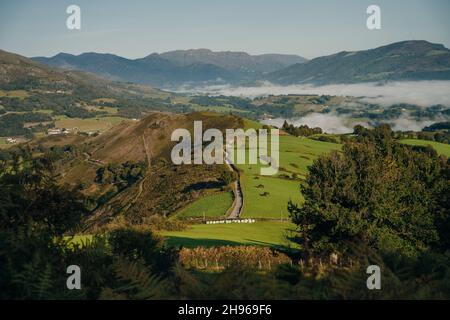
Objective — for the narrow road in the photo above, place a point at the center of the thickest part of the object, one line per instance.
(238, 202)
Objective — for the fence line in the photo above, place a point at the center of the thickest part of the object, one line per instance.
(231, 221)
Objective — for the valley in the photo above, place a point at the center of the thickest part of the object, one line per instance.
(110, 127)
(345, 163)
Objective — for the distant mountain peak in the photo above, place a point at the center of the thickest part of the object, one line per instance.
(63, 55)
(404, 60)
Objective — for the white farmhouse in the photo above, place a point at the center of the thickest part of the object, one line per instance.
(54, 131)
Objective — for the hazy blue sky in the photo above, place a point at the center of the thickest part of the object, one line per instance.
(136, 28)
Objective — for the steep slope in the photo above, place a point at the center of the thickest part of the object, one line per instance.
(106, 65)
(162, 188)
(407, 60)
(18, 72)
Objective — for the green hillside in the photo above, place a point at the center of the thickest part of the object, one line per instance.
(210, 206)
(271, 234)
(267, 196)
(406, 60)
(441, 148)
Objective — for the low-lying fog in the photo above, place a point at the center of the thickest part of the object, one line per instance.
(332, 123)
(421, 93)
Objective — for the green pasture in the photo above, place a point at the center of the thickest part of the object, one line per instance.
(210, 206)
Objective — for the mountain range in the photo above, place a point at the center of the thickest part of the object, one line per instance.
(406, 60)
(176, 67)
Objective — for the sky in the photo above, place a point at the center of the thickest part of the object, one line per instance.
(136, 28)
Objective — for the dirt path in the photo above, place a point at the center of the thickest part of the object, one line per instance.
(141, 183)
(147, 151)
(93, 161)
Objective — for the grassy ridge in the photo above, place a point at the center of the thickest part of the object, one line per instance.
(441, 148)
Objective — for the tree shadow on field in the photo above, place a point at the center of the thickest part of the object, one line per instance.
(173, 241)
(203, 185)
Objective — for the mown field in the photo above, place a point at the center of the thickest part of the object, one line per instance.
(218, 109)
(210, 206)
(267, 196)
(272, 234)
(441, 148)
(90, 124)
(261, 233)
(21, 94)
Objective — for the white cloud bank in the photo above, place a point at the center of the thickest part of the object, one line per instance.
(422, 93)
(334, 124)
(328, 122)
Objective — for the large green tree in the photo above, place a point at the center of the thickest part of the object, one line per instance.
(377, 192)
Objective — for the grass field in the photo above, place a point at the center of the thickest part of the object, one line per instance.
(85, 125)
(296, 154)
(100, 100)
(267, 197)
(258, 204)
(21, 94)
(45, 111)
(251, 124)
(272, 234)
(218, 109)
(268, 234)
(108, 110)
(211, 206)
(441, 148)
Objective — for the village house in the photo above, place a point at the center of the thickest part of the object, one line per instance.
(54, 131)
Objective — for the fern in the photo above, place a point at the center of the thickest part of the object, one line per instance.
(34, 281)
(135, 282)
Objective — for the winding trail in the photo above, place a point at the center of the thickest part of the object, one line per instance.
(107, 207)
(238, 203)
(93, 161)
(141, 183)
(147, 151)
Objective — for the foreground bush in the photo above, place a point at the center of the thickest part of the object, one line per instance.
(259, 258)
